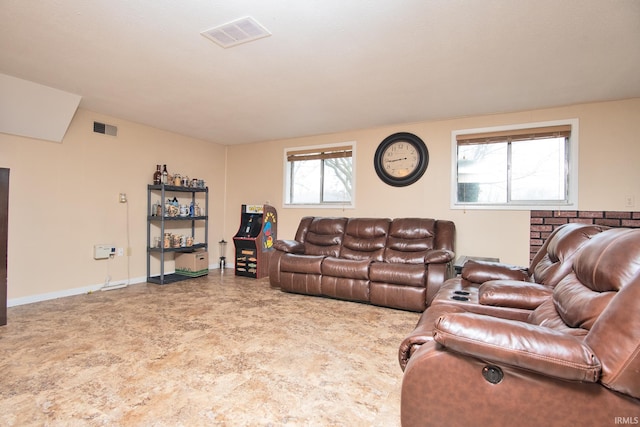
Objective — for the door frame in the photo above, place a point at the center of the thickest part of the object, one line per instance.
(4, 233)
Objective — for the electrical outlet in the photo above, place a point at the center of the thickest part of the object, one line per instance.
(120, 251)
(629, 200)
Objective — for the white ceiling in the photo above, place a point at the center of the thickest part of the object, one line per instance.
(329, 65)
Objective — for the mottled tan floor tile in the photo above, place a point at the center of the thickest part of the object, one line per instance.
(219, 350)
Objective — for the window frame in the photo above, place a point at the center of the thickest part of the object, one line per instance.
(572, 157)
(323, 205)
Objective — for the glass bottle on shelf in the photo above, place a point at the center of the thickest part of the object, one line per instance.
(157, 176)
(165, 174)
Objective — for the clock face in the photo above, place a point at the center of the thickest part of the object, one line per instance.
(401, 159)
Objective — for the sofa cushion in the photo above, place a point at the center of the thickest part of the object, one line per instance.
(561, 250)
(348, 268)
(345, 288)
(610, 261)
(398, 274)
(410, 298)
(578, 305)
(309, 264)
(478, 271)
(324, 236)
(409, 240)
(513, 293)
(365, 238)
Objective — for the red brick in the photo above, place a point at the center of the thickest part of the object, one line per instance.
(608, 222)
(635, 223)
(582, 220)
(565, 214)
(591, 214)
(616, 214)
(541, 228)
(538, 214)
(545, 222)
(555, 220)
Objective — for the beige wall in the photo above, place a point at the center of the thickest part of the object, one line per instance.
(609, 152)
(64, 197)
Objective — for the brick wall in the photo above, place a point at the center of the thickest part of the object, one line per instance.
(544, 222)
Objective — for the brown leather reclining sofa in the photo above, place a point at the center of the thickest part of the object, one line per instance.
(503, 290)
(574, 360)
(399, 263)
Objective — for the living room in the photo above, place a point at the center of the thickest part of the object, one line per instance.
(64, 196)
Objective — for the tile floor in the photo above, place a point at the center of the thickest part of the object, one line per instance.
(219, 350)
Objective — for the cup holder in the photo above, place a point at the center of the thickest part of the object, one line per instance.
(461, 292)
(459, 298)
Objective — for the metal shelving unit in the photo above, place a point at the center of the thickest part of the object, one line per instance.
(161, 222)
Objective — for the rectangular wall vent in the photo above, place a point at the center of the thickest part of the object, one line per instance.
(237, 32)
(105, 129)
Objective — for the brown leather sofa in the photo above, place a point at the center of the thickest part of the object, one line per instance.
(503, 290)
(575, 360)
(399, 263)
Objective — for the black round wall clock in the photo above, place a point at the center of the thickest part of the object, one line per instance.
(401, 159)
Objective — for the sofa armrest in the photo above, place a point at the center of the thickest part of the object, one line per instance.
(423, 332)
(289, 246)
(477, 271)
(439, 256)
(513, 293)
(532, 347)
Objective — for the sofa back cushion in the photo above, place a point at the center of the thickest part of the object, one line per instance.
(560, 250)
(303, 228)
(365, 238)
(615, 336)
(600, 270)
(409, 240)
(602, 295)
(324, 236)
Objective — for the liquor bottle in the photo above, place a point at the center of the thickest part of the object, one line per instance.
(157, 176)
(165, 174)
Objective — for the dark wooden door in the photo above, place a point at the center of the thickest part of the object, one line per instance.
(4, 225)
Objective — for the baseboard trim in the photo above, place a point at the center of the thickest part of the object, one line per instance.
(12, 302)
(70, 292)
(84, 290)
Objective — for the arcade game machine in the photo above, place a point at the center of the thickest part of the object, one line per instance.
(254, 240)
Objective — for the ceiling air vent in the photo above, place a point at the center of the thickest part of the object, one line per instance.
(237, 32)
